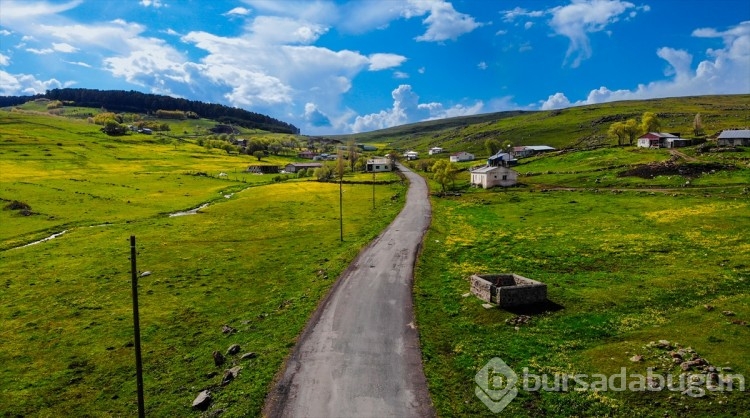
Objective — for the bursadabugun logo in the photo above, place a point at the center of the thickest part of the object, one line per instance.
(496, 385)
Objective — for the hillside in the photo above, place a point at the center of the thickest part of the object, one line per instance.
(571, 127)
(257, 257)
(137, 102)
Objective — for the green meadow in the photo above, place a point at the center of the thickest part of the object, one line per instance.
(258, 258)
(627, 261)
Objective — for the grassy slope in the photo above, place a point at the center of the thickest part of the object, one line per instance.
(624, 267)
(564, 128)
(252, 261)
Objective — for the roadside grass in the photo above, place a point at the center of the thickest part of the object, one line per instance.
(259, 258)
(622, 270)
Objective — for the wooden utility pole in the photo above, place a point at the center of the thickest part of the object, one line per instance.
(137, 329)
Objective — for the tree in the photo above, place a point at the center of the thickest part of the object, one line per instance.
(340, 168)
(323, 173)
(698, 125)
(631, 129)
(618, 129)
(650, 122)
(258, 155)
(507, 146)
(443, 172)
(353, 154)
(111, 127)
(492, 146)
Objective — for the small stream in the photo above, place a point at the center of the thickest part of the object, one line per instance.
(43, 239)
(189, 212)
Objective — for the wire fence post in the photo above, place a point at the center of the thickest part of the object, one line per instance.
(137, 329)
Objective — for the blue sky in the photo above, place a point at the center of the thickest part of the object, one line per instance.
(352, 66)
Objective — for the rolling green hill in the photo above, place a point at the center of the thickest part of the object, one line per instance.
(572, 127)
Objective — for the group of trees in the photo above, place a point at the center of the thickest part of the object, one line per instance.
(137, 102)
(117, 123)
(492, 146)
(632, 129)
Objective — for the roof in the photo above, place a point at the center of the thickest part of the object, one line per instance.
(487, 169)
(540, 148)
(436, 148)
(461, 153)
(378, 161)
(500, 155)
(735, 133)
(655, 135)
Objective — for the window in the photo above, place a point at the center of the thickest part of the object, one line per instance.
(505, 177)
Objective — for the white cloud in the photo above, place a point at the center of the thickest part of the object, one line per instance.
(238, 11)
(555, 101)
(17, 10)
(63, 47)
(24, 84)
(80, 64)
(383, 61)
(313, 11)
(315, 117)
(501, 32)
(5, 32)
(4, 60)
(275, 30)
(150, 3)
(482, 65)
(407, 109)
(724, 72)
(443, 21)
(400, 75)
(575, 21)
(511, 15)
(44, 51)
(528, 25)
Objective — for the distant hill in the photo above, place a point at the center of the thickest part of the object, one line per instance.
(137, 102)
(572, 127)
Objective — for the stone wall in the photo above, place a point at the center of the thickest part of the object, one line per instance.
(508, 290)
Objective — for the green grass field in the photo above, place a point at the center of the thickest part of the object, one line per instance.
(623, 269)
(258, 258)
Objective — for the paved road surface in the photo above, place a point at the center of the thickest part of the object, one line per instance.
(359, 355)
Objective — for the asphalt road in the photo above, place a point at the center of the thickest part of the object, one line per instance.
(359, 355)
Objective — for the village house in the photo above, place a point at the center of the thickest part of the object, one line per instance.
(529, 150)
(734, 137)
(411, 155)
(377, 165)
(656, 139)
(435, 150)
(307, 154)
(295, 167)
(491, 176)
(263, 169)
(501, 158)
(457, 157)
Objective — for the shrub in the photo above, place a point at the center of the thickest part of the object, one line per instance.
(16, 205)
